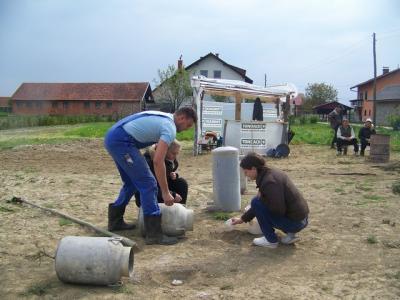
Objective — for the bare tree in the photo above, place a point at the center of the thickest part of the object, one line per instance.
(173, 86)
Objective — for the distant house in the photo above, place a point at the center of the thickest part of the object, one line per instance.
(296, 104)
(211, 66)
(324, 109)
(102, 99)
(5, 104)
(388, 99)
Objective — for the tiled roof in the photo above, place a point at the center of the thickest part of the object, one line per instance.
(377, 78)
(134, 91)
(4, 101)
(238, 70)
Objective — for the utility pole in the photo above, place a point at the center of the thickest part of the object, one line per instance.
(374, 95)
(265, 80)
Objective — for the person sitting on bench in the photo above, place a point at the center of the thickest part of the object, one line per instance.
(365, 135)
(345, 136)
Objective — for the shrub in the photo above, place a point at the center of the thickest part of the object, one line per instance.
(313, 119)
(303, 120)
(394, 121)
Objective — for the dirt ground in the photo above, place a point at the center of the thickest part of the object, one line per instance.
(350, 250)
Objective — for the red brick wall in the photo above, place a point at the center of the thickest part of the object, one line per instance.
(36, 107)
(367, 109)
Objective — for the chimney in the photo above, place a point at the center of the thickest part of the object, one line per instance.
(385, 70)
(180, 63)
(217, 54)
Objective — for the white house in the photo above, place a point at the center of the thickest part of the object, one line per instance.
(210, 66)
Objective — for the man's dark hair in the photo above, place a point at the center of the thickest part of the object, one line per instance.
(252, 159)
(189, 113)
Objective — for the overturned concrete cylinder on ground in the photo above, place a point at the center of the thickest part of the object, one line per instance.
(93, 260)
(226, 178)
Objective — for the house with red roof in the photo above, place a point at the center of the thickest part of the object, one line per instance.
(387, 97)
(101, 99)
(5, 104)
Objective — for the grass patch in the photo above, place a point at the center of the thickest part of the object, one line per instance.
(187, 135)
(367, 199)
(121, 289)
(396, 187)
(64, 222)
(373, 198)
(38, 289)
(366, 188)
(321, 134)
(92, 130)
(221, 215)
(6, 209)
(338, 190)
(372, 239)
(49, 205)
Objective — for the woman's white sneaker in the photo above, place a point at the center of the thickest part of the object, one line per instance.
(290, 238)
(263, 242)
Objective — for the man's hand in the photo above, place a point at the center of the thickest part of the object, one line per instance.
(168, 199)
(172, 175)
(236, 220)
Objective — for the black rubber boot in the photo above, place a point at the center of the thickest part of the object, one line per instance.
(154, 235)
(116, 218)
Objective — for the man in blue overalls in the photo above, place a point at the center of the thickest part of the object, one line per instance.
(123, 141)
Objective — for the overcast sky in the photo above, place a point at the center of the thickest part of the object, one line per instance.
(129, 40)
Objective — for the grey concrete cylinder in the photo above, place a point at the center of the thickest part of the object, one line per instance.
(226, 178)
(175, 219)
(93, 260)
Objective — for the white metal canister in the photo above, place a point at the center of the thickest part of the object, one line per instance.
(226, 178)
(175, 219)
(93, 260)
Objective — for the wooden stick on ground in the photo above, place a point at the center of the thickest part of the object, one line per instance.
(124, 240)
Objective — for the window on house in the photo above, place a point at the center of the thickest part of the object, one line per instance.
(365, 95)
(109, 104)
(39, 104)
(65, 104)
(28, 104)
(98, 104)
(54, 104)
(360, 96)
(365, 112)
(19, 104)
(217, 74)
(204, 73)
(86, 104)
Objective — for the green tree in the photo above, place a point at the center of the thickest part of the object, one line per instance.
(319, 93)
(173, 86)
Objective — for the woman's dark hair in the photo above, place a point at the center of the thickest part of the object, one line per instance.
(252, 159)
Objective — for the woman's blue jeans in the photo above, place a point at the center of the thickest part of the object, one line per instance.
(268, 221)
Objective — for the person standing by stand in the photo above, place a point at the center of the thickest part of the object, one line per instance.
(335, 119)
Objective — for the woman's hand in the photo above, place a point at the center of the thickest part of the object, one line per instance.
(178, 198)
(236, 220)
